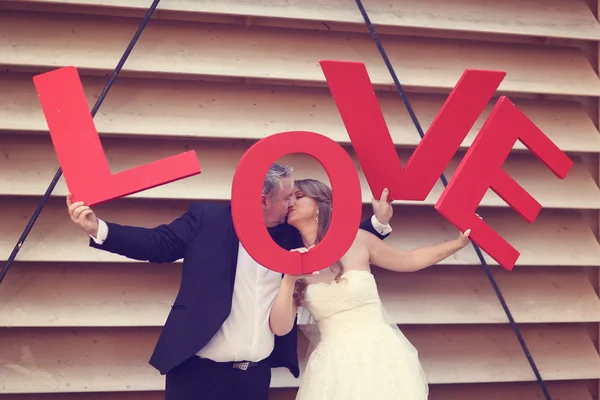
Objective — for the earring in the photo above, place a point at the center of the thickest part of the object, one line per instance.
(317, 216)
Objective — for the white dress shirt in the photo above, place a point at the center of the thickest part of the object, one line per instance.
(245, 335)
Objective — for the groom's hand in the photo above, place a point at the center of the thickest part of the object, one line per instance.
(382, 208)
(83, 216)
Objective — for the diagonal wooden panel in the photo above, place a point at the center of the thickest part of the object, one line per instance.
(153, 107)
(556, 238)
(493, 391)
(90, 360)
(181, 49)
(104, 295)
(570, 18)
(30, 164)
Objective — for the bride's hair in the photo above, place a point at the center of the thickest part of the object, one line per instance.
(322, 194)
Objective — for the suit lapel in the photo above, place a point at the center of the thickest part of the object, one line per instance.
(234, 245)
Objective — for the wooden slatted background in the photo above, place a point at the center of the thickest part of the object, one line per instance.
(216, 76)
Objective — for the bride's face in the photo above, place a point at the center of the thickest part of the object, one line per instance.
(304, 208)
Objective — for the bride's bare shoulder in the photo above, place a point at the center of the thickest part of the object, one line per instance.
(365, 240)
(358, 252)
(363, 236)
(361, 240)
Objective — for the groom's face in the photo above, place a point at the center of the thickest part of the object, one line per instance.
(275, 209)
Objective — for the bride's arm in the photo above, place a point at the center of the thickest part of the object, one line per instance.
(388, 257)
(284, 309)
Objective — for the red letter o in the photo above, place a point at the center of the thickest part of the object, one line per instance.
(246, 202)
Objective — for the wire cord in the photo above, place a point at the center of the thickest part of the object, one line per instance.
(57, 176)
(484, 264)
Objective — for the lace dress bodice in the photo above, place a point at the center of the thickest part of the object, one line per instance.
(345, 306)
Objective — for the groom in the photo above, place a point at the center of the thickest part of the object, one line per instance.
(216, 342)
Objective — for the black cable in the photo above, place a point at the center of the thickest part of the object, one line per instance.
(58, 174)
(484, 264)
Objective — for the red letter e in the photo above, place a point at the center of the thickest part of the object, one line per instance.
(481, 168)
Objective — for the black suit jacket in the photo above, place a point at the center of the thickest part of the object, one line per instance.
(206, 240)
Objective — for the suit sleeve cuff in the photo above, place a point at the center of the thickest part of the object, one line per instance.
(379, 227)
(102, 232)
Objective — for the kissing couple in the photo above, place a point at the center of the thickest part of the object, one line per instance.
(233, 319)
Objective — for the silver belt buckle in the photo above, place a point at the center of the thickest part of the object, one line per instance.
(241, 365)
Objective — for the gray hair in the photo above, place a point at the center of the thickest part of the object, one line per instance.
(272, 182)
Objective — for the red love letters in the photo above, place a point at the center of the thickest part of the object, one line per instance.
(481, 168)
(247, 212)
(88, 177)
(80, 152)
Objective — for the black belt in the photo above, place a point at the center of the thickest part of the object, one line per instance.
(242, 365)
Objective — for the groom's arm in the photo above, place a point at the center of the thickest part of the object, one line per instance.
(373, 225)
(378, 224)
(163, 244)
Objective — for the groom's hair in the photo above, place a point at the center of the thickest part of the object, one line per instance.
(272, 182)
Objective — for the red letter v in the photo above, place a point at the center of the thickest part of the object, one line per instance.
(358, 106)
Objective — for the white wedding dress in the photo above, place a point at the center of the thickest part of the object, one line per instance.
(360, 354)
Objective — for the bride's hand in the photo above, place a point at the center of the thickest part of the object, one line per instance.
(302, 249)
(301, 276)
(294, 278)
(463, 239)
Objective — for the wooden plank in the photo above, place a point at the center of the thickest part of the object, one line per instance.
(148, 395)
(570, 19)
(556, 238)
(502, 391)
(163, 108)
(78, 360)
(30, 164)
(506, 391)
(492, 353)
(493, 391)
(117, 295)
(97, 360)
(78, 295)
(192, 51)
(478, 391)
(459, 295)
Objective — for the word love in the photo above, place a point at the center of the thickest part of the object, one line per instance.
(88, 177)
(480, 169)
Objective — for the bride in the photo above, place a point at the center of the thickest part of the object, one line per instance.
(360, 353)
